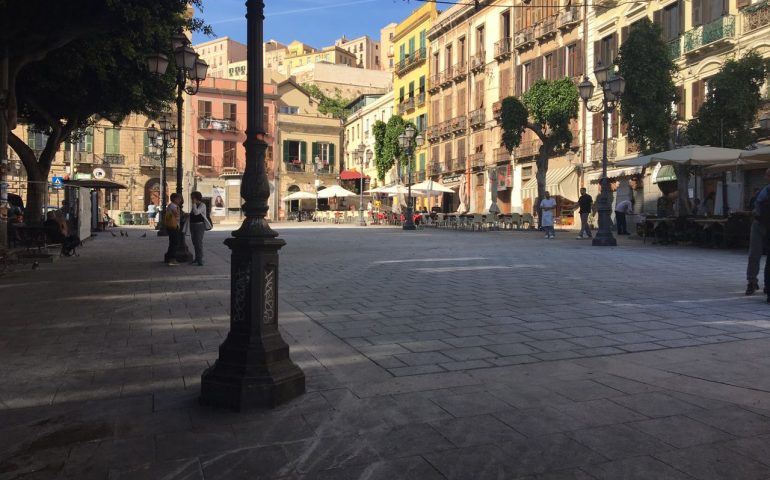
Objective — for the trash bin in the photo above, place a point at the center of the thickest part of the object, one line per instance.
(124, 218)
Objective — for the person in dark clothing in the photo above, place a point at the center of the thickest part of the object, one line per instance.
(758, 237)
(198, 223)
(585, 202)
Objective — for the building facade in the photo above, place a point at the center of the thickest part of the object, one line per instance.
(345, 81)
(387, 33)
(364, 112)
(219, 53)
(366, 50)
(334, 55)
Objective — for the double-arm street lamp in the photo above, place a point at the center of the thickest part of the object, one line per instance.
(405, 140)
(189, 67)
(612, 88)
(360, 153)
(162, 139)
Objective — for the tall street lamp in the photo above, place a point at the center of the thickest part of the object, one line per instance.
(361, 153)
(405, 140)
(612, 88)
(162, 139)
(189, 67)
(317, 182)
(254, 368)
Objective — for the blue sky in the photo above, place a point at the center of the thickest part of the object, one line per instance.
(315, 22)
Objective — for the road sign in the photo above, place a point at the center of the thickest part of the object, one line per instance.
(57, 182)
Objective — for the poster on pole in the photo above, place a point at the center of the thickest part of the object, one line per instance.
(218, 201)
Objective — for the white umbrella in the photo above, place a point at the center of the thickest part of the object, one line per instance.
(689, 155)
(335, 191)
(762, 153)
(740, 162)
(397, 189)
(299, 196)
(431, 187)
(374, 190)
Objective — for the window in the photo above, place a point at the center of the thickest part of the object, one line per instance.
(448, 57)
(402, 52)
(401, 95)
(505, 23)
(204, 108)
(294, 155)
(706, 11)
(229, 155)
(605, 50)
(86, 141)
(420, 123)
(204, 153)
(411, 45)
(461, 51)
(550, 66)
(422, 84)
(574, 58)
(448, 107)
(288, 110)
(36, 140)
(422, 40)
(149, 145)
(112, 141)
(411, 89)
(480, 39)
(671, 19)
(325, 154)
(231, 111)
(461, 101)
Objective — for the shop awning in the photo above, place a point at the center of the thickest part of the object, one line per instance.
(351, 175)
(665, 173)
(613, 174)
(93, 184)
(560, 182)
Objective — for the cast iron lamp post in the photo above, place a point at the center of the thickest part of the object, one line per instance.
(190, 67)
(163, 140)
(612, 88)
(253, 369)
(316, 182)
(405, 140)
(361, 153)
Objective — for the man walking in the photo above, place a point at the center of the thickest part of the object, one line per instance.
(757, 236)
(621, 210)
(585, 201)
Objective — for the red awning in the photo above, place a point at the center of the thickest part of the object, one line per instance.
(351, 175)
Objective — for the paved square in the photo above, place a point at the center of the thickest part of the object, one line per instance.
(429, 354)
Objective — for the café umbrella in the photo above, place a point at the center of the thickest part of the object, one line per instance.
(335, 191)
(299, 196)
(429, 187)
(689, 155)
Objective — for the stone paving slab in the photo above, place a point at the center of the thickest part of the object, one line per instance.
(523, 359)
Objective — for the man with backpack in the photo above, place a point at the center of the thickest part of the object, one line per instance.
(173, 221)
(758, 238)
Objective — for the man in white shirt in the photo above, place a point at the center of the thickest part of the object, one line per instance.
(547, 210)
(621, 210)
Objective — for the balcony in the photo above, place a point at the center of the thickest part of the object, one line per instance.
(421, 99)
(528, 149)
(674, 48)
(459, 124)
(631, 147)
(431, 133)
(478, 117)
(756, 16)
(435, 83)
(502, 155)
(711, 35)
(406, 105)
(569, 18)
(546, 29)
(80, 157)
(497, 110)
(149, 161)
(111, 159)
(412, 61)
(478, 61)
(445, 78)
(503, 49)
(459, 71)
(612, 150)
(419, 176)
(217, 124)
(294, 164)
(524, 39)
(476, 160)
(203, 160)
(436, 168)
(445, 128)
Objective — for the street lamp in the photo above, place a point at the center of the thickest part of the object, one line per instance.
(162, 139)
(317, 183)
(405, 140)
(361, 153)
(189, 66)
(253, 369)
(612, 89)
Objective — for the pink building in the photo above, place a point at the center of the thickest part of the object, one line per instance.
(218, 121)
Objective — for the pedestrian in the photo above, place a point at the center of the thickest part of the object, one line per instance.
(199, 223)
(173, 222)
(758, 237)
(151, 211)
(622, 209)
(585, 202)
(547, 207)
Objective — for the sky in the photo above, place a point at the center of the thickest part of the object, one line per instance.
(317, 23)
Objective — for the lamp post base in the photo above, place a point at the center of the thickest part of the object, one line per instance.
(183, 254)
(409, 222)
(604, 241)
(603, 237)
(361, 220)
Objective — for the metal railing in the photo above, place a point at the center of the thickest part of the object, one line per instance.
(674, 48)
(612, 150)
(497, 109)
(502, 154)
(80, 157)
(459, 71)
(476, 159)
(720, 29)
(524, 38)
(202, 160)
(435, 82)
(478, 61)
(219, 124)
(527, 149)
(112, 158)
(546, 28)
(478, 117)
(149, 160)
(431, 133)
(410, 61)
(503, 48)
(569, 17)
(756, 16)
(459, 124)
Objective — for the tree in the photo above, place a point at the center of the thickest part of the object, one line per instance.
(334, 106)
(727, 116)
(387, 148)
(546, 109)
(94, 74)
(378, 130)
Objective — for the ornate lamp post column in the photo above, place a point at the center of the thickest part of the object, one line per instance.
(253, 369)
(612, 88)
(361, 153)
(405, 140)
(164, 139)
(316, 182)
(190, 67)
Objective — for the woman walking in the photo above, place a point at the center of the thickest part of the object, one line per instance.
(198, 224)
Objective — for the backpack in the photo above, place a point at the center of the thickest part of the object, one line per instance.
(169, 220)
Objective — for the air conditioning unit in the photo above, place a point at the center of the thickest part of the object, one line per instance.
(520, 38)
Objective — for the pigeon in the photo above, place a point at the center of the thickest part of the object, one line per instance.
(113, 234)
(35, 265)
(144, 235)
(122, 234)
(126, 234)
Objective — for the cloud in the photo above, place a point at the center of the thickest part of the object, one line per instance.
(320, 7)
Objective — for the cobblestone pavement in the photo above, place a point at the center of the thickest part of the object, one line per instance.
(428, 355)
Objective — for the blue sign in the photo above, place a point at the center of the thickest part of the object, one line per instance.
(57, 182)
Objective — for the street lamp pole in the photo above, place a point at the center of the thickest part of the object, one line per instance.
(254, 369)
(405, 140)
(361, 153)
(612, 88)
(163, 138)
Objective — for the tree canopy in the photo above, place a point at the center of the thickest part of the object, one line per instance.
(386, 144)
(727, 116)
(644, 62)
(334, 106)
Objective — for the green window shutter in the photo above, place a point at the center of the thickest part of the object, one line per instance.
(303, 152)
(331, 154)
(88, 140)
(147, 144)
(31, 139)
(411, 45)
(402, 52)
(285, 151)
(411, 89)
(422, 40)
(314, 151)
(422, 84)
(422, 162)
(112, 141)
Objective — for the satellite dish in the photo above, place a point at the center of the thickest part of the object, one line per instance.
(99, 173)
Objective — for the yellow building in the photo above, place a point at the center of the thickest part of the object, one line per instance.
(411, 72)
(300, 55)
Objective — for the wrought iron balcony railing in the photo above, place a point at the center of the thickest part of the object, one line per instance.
(674, 48)
(476, 159)
(717, 31)
(756, 16)
(411, 61)
(612, 150)
(524, 39)
(569, 18)
(218, 124)
(503, 48)
(477, 117)
(112, 159)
